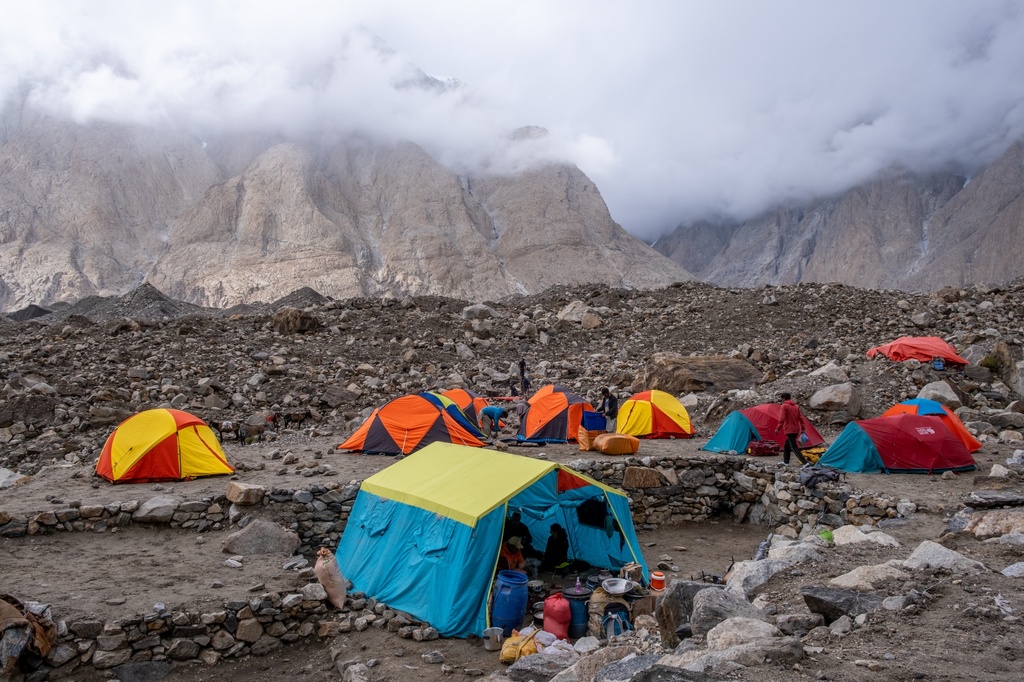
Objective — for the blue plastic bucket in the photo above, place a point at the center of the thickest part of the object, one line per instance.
(510, 596)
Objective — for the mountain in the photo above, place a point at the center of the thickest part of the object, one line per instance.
(916, 232)
(97, 209)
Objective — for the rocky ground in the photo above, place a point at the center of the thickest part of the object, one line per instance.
(69, 376)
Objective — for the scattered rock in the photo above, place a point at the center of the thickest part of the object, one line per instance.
(262, 537)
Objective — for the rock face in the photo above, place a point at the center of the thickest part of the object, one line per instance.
(93, 209)
(906, 231)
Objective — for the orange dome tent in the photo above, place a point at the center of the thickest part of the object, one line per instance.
(932, 408)
(161, 445)
(654, 414)
(469, 402)
(408, 423)
(554, 416)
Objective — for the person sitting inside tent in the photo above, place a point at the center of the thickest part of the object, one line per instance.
(557, 551)
(490, 420)
(515, 528)
(511, 557)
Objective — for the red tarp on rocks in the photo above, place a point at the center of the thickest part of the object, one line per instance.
(922, 348)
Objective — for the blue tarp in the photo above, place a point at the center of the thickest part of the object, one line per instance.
(733, 435)
(853, 451)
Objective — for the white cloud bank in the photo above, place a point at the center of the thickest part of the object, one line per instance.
(678, 110)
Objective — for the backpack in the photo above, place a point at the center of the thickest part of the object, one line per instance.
(615, 620)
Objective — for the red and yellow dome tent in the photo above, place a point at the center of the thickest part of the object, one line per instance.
(654, 414)
(161, 445)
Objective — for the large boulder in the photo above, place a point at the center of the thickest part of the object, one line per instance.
(245, 494)
(834, 603)
(995, 523)
(850, 535)
(294, 321)
(778, 650)
(157, 509)
(479, 311)
(747, 576)
(711, 607)
(674, 607)
(262, 537)
(541, 667)
(574, 311)
(586, 669)
(867, 578)
(940, 392)
(843, 396)
(735, 631)
(933, 555)
(676, 373)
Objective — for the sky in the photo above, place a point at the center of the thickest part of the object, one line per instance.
(678, 110)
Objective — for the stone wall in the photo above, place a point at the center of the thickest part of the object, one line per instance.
(673, 490)
(255, 626)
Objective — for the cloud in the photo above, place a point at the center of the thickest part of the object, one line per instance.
(678, 111)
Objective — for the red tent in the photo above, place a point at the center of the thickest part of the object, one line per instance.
(914, 443)
(906, 443)
(930, 408)
(766, 418)
(922, 348)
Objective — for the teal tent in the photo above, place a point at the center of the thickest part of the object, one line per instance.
(853, 451)
(424, 534)
(733, 435)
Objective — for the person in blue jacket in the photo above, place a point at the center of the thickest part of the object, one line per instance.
(490, 420)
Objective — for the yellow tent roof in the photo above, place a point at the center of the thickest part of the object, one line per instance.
(461, 482)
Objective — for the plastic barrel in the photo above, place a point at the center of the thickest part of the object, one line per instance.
(510, 596)
(578, 598)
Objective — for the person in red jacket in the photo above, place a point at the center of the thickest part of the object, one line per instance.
(791, 424)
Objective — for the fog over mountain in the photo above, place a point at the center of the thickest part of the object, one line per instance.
(677, 111)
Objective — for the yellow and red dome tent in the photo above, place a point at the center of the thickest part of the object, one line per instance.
(654, 414)
(161, 445)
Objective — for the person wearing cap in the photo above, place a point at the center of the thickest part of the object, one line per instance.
(511, 557)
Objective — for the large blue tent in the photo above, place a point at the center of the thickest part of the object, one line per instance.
(424, 534)
(733, 435)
